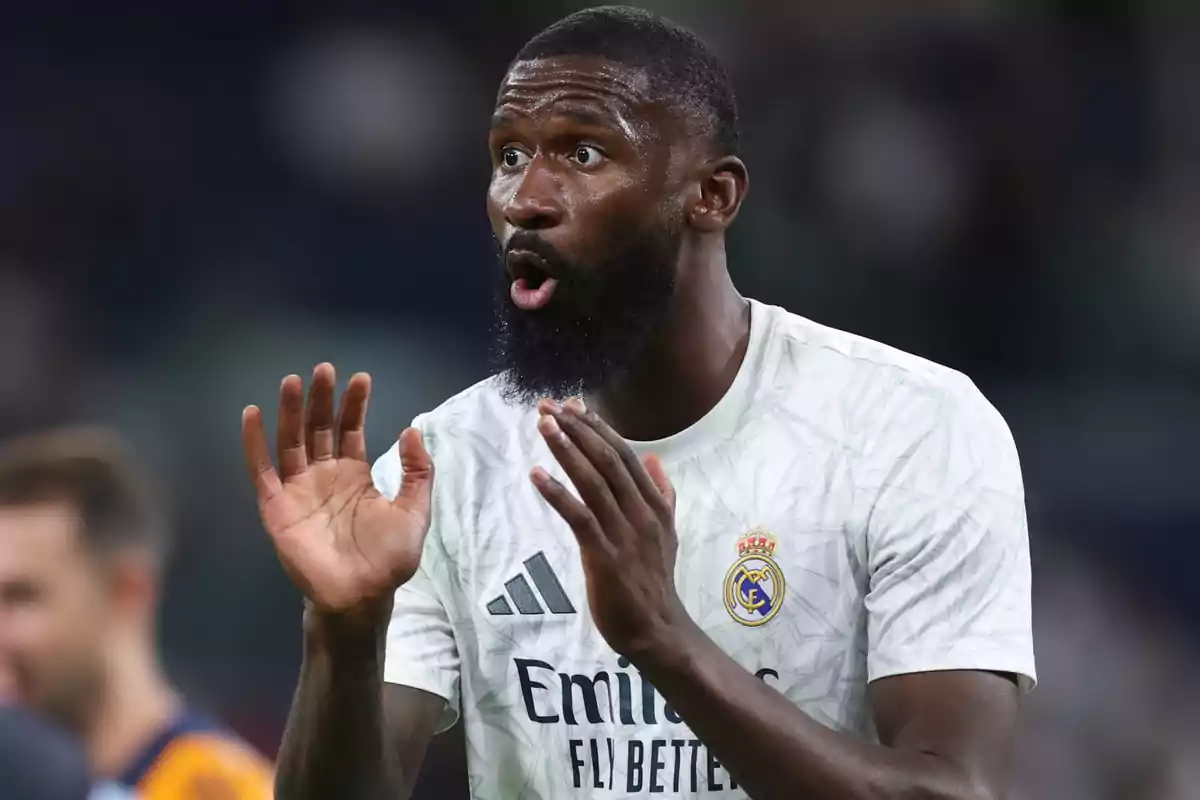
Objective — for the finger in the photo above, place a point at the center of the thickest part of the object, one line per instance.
(577, 515)
(592, 487)
(258, 457)
(632, 466)
(608, 462)
(318, 414)
(658, 474)
(352, 437)
(416, 487)
(289, 430)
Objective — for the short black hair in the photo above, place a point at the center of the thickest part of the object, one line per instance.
(679, 65)
(93, 471)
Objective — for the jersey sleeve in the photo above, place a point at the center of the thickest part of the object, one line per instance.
(202, 765)
(420, 650)
(948, 544)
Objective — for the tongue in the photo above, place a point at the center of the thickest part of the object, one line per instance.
(528, 299)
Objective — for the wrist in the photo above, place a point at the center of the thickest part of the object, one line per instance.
(359, 631)
(671, 651)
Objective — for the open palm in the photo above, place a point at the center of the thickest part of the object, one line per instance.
(344, 544)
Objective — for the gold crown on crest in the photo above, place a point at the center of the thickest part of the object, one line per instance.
(757, 543)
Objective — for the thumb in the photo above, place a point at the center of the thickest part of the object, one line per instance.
(417, 483)
(654, 468)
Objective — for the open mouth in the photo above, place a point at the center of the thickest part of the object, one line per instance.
(533, 284)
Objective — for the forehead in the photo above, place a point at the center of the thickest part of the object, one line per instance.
(37, 536)
(547, 85)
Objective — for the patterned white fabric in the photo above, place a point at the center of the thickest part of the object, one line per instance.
(845, 513)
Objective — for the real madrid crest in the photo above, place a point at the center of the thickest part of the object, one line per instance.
(754, 585)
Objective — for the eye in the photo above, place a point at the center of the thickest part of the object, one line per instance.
(513, 158)
(587, 156)
(20, 594)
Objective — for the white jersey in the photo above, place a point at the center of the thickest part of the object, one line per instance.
(845, 513)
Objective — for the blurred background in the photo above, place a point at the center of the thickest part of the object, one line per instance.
(194, 204)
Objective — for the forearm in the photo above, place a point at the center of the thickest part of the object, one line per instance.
(335, 744)
(772, 748)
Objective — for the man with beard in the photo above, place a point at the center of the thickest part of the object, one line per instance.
(682, 543)
(81, 547)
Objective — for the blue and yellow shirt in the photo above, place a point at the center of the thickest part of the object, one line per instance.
(194, 759)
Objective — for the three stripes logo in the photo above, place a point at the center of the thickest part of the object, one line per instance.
(523, 595)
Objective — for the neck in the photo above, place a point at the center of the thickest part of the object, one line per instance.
(690, 364)
(138, 705)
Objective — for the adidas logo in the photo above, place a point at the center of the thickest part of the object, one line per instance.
(523, 596)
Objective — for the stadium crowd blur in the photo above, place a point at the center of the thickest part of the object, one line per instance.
(193, 205)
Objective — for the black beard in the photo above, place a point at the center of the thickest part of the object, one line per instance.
(596, 324)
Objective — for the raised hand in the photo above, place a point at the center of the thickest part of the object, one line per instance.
(624, 522)
(346, 546)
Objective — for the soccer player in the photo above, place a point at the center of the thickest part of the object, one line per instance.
(682, 543)
(80, 552)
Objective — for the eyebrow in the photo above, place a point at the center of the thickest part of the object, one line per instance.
(502, 118)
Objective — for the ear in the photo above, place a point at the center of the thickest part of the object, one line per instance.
(133, 583)
(723, 186)
(8, 681)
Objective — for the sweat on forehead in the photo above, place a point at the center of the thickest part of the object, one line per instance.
(589, 90)
(636, 51)
(537, 81)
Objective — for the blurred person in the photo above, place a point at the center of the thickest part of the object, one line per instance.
(829, 596)
(81, 550)
(38, 760)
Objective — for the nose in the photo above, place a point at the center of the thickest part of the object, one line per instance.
(537, 203)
